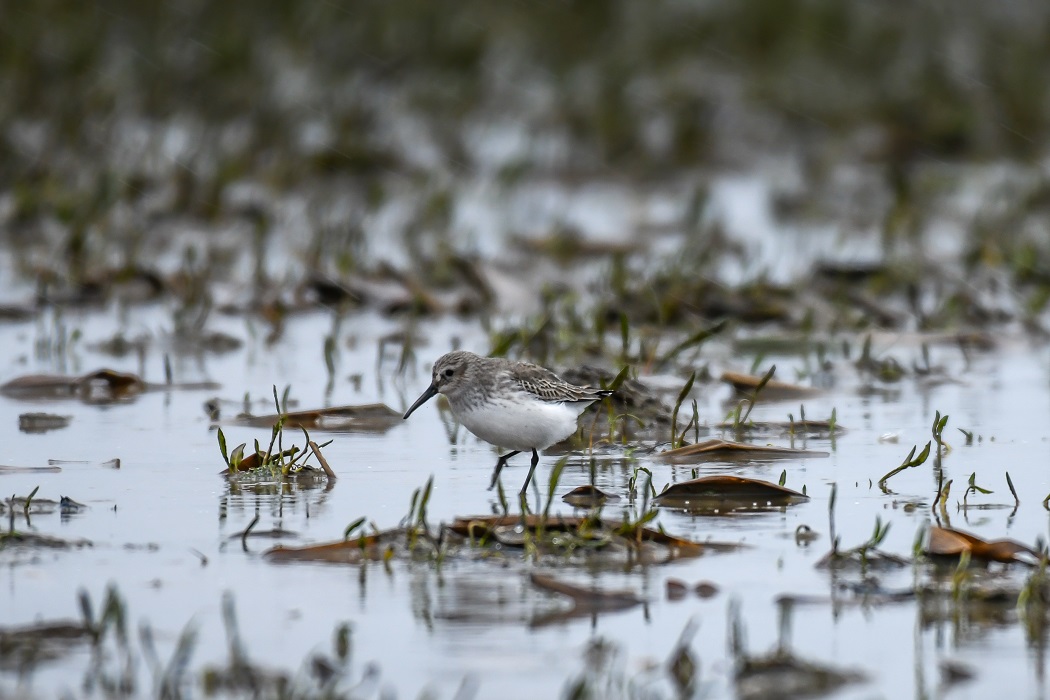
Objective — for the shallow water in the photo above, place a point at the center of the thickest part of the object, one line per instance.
(432, 628)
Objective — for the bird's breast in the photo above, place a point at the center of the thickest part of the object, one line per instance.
(519, 425)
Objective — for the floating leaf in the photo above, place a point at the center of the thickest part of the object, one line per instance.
(42, 422)
(588, 496)
(723, 492)
(810, 428)
(590, 599)
(364, 548)
(480, 525)
(728, 450)
(771, 389)
(375, 417)
(947, 542)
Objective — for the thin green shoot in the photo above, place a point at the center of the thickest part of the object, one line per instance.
(692, 341)
(353, 526)
(29, 500)
(910, 461)
(753, 398)
(501, 495)
(675, 438)
(831, 518)
(973, 488)
(222, 450)
(552, 485)
(1010, 483)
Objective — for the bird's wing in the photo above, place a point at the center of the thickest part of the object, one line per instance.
(546, 385)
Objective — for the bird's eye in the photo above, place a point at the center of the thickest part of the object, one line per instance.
(449, 372)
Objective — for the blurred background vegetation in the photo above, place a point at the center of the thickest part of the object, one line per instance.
(118, 114)
(640, 85)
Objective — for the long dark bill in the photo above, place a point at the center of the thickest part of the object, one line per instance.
(430, 393)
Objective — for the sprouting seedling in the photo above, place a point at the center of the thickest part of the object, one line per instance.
(696, 423)
(353, 526)
(920, 539)
(29, 500)
(877, 537)
(757, 363)
(501, 495)
(424, 501)
(831, 519)
(692, 341)
(910, 461)
(968, 434)
(1010, 483)
(552, 485)
(961, 575)
(632, 483)
(329, 355)
(972, 487)
(222, 450)
(753, 398)
(1031, 592)
(619, 379)
(783, 477)
(412, 507)
(939, 424)
(676, 439)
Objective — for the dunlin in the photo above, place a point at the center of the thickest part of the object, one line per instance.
(515, 405)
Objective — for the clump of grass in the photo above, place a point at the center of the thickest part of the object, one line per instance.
(283, 462)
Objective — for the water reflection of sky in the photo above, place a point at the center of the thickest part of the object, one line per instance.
(427, 628)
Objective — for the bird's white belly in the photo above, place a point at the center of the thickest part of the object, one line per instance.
(520, 426)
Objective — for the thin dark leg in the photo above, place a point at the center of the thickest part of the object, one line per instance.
(535, 461)
(499, 467)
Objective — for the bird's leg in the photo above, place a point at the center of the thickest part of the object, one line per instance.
(535, 461)
(500, 463)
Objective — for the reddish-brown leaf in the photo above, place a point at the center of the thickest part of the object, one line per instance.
(947, 542)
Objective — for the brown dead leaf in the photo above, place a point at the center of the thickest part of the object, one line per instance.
(482, 525)
(42, 422)
(374, 417)
(586, 602)
(716, 448)
(946, 542)
(90, 386)
(100, 387)
(365, 548)
(726, 492)
(819, 428)
(6, 469)
(24, 646)
(774, 389)
(783, 675)
(587, 599)
(588, 496)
